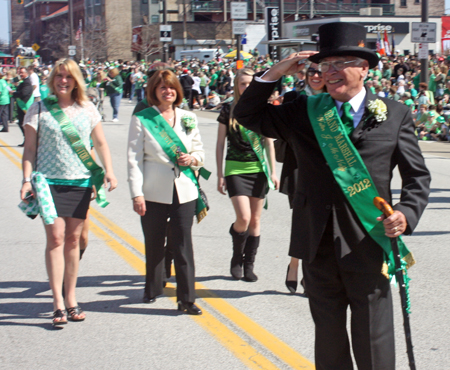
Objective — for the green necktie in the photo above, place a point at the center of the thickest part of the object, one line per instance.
(347, 118)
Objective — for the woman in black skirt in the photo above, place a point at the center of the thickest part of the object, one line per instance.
(247, 177)
(68, 179)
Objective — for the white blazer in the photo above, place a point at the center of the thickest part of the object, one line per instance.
(150, 171)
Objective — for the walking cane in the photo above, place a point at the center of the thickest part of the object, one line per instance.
(387, 210)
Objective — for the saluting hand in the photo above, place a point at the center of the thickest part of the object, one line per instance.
(288, 66)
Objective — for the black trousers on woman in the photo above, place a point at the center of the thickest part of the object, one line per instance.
(154, 226)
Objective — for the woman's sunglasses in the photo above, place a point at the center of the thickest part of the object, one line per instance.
(311, 72)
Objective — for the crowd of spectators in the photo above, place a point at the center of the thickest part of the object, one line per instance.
(208, 84)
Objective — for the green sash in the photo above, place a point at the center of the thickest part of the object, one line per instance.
(255, 141)
(352, 176)
(169, 141)
(79, 148)
(25, 106)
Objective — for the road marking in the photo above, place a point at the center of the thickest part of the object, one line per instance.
(224, 335)
(241, 349)
(9, 156)
(261, 335)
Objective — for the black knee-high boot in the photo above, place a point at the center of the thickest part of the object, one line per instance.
(239, 240)
(250, 250)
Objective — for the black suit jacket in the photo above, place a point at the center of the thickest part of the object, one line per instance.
(317, 198)
(24, 90)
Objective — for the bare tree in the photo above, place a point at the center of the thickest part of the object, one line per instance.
(95, 43)
(150, 43)
(56, 39)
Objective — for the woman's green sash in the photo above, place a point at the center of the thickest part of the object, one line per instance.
(255, 141)
(169, 141)
(79, 148)
(352, 175)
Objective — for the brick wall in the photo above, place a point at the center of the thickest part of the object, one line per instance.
(118, 29)
(435, 8)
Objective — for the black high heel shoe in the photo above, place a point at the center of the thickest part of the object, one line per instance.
(291, 285)
(189, 307)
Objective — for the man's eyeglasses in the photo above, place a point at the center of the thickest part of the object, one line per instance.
(311, 72)
(338, 65)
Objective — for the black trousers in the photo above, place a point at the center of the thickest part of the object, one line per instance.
(20, 117)
(331, 291)
(4, 113)
(188, 96)
(154, 225)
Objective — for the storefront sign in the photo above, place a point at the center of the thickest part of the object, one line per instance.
(273, 29)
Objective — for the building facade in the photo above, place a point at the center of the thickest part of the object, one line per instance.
(111, 27)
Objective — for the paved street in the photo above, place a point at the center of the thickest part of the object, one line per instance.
(244, 325)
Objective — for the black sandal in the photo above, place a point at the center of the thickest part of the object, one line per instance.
(75, 311)
(59, 314)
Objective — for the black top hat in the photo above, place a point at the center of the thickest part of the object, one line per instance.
(340, 39)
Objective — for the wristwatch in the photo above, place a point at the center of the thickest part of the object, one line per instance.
(26, 179)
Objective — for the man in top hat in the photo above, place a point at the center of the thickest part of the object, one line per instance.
(347, 143)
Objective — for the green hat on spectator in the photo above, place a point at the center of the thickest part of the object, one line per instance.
(440, 119)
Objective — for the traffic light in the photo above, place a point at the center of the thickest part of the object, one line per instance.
(20, 2)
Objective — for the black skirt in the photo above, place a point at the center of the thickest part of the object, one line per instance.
(71, 201)
(249, 184)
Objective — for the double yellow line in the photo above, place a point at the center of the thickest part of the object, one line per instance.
(115, 237)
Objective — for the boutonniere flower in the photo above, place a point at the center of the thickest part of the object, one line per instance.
(378, 109)
(189, 122)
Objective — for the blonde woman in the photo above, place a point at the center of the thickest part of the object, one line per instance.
(246, 178)
(69, 180)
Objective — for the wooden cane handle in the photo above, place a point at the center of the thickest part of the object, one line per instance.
(383, 206)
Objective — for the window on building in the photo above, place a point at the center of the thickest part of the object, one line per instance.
(403, 3)
(155, 18)
(416, 1)
(145, 1)
(155, 1)
(47, 9)
(98, 2)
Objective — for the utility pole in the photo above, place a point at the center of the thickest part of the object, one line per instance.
(184, 26)
(71, 22)
(10, 26)
(424, 62)
(165, 46)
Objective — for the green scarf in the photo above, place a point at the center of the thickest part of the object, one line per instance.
(25, 106)
(169, 141)
(79, 148)
(255, 141)
(353, 178)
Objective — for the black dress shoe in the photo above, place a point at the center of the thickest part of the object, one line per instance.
(4, 130)
(148, 299)
(189, 307)
(291, 285)
(22, 145)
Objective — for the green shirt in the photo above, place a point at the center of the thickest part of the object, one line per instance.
(213, 81)
(44, 90)
(4, 92)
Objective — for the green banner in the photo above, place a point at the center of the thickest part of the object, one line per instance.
(169, 141)
(98, 174)
(255, 141)
(352, 175)
(25, 106)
